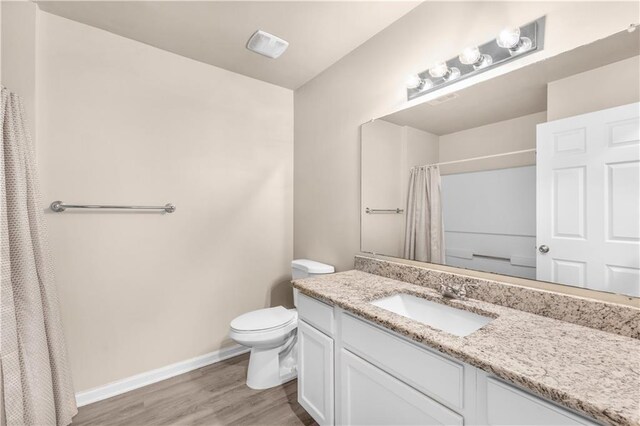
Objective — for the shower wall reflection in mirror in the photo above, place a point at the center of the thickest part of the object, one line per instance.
(533, 174)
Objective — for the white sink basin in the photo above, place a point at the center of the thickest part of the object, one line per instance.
(452, 320)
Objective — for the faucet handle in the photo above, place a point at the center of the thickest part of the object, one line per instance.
(453, 291)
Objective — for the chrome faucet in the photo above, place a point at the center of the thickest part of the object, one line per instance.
(453, 291)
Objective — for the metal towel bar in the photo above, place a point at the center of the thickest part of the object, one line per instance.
(486, 256)
(383, 211)
(59, 206)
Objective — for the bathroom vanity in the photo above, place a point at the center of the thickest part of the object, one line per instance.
(369, 353)
(531, 174)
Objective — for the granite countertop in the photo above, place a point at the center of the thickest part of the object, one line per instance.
(590, 371)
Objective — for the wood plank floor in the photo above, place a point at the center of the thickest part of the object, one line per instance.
(212, 395)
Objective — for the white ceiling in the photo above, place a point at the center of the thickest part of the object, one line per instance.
(216, 32)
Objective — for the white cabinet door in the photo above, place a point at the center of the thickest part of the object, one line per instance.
(315, 373)
(588, 200)
(508, 406)
(426, 371)
(372, 397)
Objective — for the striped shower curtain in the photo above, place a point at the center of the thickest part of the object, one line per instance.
(35, 382)
(424, 227)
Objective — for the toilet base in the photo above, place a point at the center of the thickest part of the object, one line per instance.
(281, 380)
(274, 366)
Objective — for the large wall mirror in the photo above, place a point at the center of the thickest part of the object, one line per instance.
(533, 174)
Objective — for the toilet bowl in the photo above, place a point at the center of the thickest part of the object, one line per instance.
(271, 334)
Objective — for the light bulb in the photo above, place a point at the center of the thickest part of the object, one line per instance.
(439, 70)
(470, 55)
(508, 37)
(453, 74)
(413, 81)
(426, 84)
(485, 61)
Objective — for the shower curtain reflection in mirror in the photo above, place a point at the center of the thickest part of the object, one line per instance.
(424, 228)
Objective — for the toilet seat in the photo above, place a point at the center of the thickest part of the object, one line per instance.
(264, 327)
(264, 320)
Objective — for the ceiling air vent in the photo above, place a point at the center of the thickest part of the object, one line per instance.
(443, 99)
(267, 44)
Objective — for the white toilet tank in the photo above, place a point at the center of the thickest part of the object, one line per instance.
(303, 268)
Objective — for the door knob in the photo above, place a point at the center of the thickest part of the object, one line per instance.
(543, 249)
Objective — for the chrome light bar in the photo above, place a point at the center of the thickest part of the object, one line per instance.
(510, 44)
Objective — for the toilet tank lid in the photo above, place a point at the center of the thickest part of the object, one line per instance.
(312, 267)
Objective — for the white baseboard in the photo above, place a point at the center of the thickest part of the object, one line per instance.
(143, 379)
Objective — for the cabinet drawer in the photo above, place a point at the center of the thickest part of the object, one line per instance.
(507, 405)
(432, 374)
(316, 313)
(373, 397)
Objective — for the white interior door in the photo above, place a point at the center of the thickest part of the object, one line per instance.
(588, 200)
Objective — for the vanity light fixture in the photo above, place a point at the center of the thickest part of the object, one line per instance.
(510, 44)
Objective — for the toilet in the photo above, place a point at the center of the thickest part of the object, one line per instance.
(271, 334)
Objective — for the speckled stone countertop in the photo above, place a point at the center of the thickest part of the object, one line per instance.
(591, 371)
(605, 316)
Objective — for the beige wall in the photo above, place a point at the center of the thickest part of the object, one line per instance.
(496, 138)
(421, 148)
(605, 87)
(382, 173)
(368, 83)
(122, 122)
(388, 152)
(18, 46)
